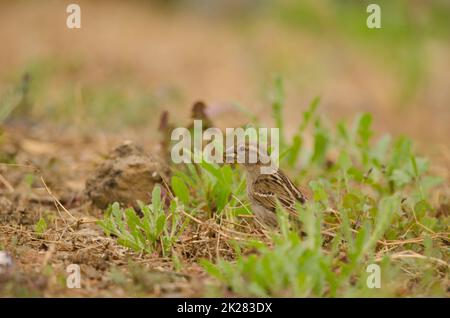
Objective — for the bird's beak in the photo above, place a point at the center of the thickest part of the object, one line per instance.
(229, 155)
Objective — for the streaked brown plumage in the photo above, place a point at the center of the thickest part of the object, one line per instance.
(264, 190)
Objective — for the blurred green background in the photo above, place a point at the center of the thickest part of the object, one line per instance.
(132, 60)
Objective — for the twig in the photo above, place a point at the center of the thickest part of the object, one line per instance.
(336, 214)
(412, 254)
(213, 227)
(35, 169)
(7, 185)
(192, 217)
(408, 241)
(56, 199)
(417, 221)
(237, 199)
(218, 239)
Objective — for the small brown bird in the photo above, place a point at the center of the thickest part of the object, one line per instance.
(199, 112)
(264, 189)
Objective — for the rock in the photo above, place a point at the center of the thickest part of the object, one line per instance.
(128, 175)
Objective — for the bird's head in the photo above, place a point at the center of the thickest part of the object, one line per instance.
(248, 155)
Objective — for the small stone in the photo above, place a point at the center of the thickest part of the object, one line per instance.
(128, 175)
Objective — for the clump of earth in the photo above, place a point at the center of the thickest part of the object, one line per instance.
(127, 176)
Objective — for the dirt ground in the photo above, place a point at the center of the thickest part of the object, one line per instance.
(137, 48)
(55, 190)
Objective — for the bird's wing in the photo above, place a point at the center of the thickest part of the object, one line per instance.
(298, 195)
(267, 188)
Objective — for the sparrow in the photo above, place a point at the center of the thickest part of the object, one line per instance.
(200, 112)
(265, 189)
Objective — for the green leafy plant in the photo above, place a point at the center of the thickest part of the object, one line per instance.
(218, 187)
(41, 226)
(368, 203)
(371, 203)
(154, 231)
(15, 100)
